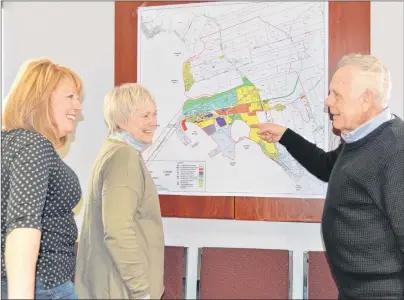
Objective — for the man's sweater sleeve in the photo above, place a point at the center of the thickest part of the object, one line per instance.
(314, 159)
(392, 194)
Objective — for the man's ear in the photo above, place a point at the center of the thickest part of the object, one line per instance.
(367, 99)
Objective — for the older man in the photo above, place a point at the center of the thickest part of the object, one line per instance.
(363, 218)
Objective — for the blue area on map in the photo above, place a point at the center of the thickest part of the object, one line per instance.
(220, 121)
(182, 136)
(210, 129)
(222, 137)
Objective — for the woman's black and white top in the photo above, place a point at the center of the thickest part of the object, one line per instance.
(38, 190)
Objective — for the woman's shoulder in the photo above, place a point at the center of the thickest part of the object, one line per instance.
(120, 161)
(122, 151)
(24, 136)
(19, 139)
(116, 154)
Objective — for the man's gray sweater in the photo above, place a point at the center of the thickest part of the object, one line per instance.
(363, 217)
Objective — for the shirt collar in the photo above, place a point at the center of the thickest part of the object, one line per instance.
(368, 127)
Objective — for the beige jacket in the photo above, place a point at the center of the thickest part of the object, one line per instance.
(121, 246)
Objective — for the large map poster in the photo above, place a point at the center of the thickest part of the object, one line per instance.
(215, 69)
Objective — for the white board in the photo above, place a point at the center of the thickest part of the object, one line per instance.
(216, 68)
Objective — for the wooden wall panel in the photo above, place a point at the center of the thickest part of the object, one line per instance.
(197, 207)
(126, 42)
(126, 71)
(349, 31)
(279, 209)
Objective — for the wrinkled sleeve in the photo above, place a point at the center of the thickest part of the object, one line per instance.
(29, 175)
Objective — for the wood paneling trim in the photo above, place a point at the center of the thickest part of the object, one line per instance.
(126, 41)
(279, 209)
(197, 207)
(349, 30)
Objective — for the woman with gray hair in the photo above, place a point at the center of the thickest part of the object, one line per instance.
(121, 247)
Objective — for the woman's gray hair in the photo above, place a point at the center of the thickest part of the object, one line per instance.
(374, 72)
(121, 103)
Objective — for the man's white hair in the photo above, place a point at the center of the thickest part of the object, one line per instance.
(376, 75)
(121, 103)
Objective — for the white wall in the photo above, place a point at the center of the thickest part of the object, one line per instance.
(386, 42)
(81, 36)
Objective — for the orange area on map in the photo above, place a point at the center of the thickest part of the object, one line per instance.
(242, 108)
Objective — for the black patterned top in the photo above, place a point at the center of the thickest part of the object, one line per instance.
(38, 190)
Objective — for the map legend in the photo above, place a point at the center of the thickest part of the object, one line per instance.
(201, 175)
(186, 176)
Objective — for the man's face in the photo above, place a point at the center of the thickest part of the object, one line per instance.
(348, 99)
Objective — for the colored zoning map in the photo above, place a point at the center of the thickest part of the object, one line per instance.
(217, 68)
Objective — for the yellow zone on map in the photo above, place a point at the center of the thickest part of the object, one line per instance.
(187, 75)
(206, 122)
(228, 119)
(279, 107)
(269, 149)
(248, 103)
(248, 94)
(259, 106)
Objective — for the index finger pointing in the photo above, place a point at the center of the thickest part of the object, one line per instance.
(258, 125)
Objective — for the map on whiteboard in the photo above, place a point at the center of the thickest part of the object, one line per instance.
(215, 69)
